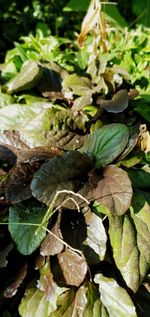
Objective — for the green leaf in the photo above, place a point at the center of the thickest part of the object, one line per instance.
(35, 304)
(5, 100)
(76, 5)
(139, 178)
(78, 85)
(27, 78)
(60, 173)
(113, 13)
(65, 304)
(130, 241)
(116, 299)
(143, 111)
(28, 236)
(106, 143)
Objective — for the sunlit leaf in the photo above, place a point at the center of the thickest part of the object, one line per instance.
(24, 229)
(95, 243)
(22, 117)
(47, 284)
(130, 236)
(79, 85)
(106, 143)
(26, 79)
(90, 20)
(65, 140)
(115, 298)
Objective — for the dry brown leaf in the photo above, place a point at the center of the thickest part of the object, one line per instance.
(144, 138)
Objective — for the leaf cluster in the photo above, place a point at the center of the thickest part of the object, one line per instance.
(74, 173)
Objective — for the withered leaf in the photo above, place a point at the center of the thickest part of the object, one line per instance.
(114, 190)
(73, 266)
(118, 103)
(51, 245)
(18, 185)
(12, 289)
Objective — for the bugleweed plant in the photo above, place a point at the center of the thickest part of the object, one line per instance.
(75, 174)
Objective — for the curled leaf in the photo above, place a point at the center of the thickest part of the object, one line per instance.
(118, 103)
(26, 79)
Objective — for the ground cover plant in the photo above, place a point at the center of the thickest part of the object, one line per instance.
(74, 170)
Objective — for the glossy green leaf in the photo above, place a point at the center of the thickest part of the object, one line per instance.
(27, 78)
(106, 143)
(130, 240)
(25, 234)
(116, 299)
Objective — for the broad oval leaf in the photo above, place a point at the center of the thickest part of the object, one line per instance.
(118, 103)
(106, 143)
(116, 299)
(114, 190)
(25, 234)
(73, 266)
(60, 173)
(26, 79)
(130, 240)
